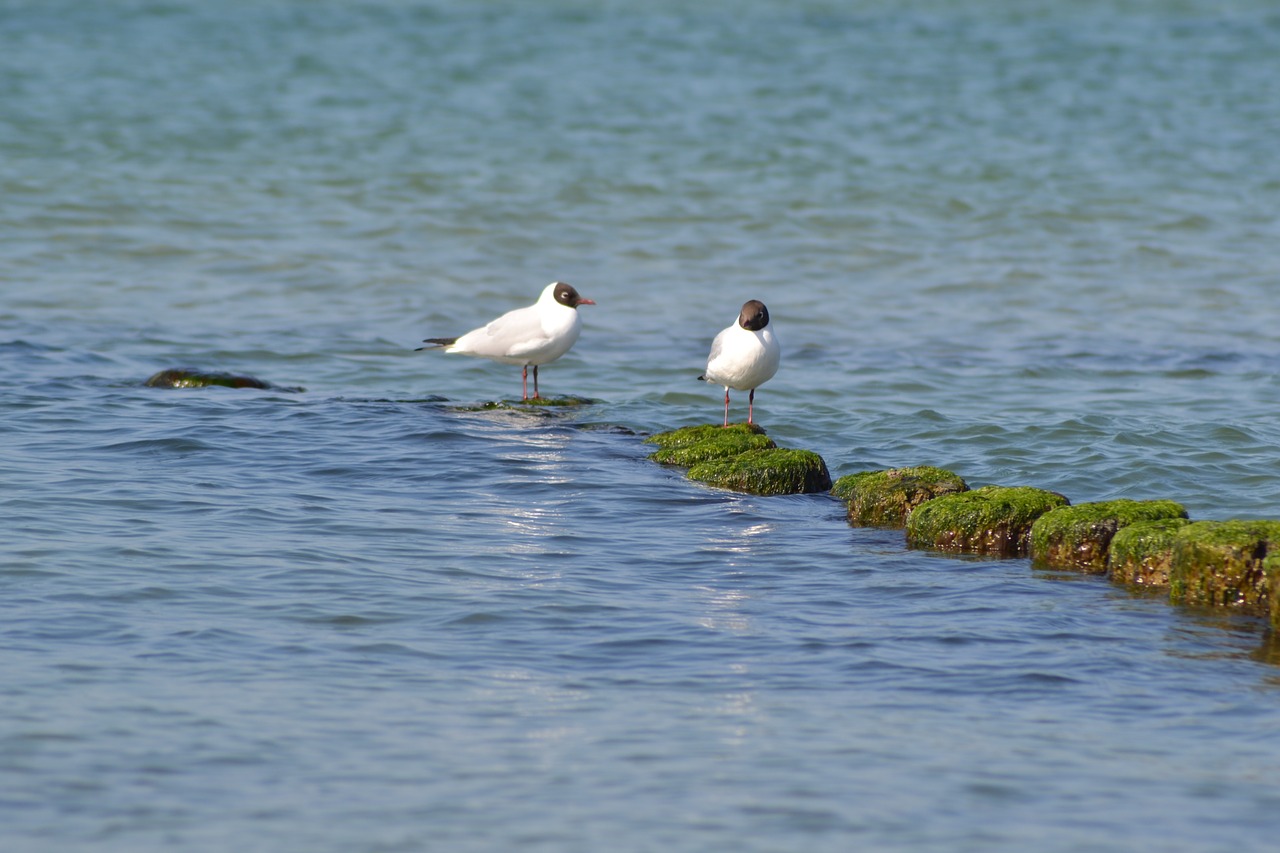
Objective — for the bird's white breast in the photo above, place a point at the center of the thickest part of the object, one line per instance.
(743, 359)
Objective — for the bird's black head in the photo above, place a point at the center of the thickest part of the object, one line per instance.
(754, 316)
(567, 296)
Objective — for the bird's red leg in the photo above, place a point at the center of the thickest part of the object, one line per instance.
(751, 402)
(726, 407)
(524, 383)
(535, 382)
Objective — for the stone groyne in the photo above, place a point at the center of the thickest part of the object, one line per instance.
(1149, 544)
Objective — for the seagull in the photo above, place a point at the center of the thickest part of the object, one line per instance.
(744, 356)
(535, 335)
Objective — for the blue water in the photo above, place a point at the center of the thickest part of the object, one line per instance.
(1031, 242)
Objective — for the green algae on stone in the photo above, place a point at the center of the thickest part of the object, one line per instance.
(692, 445)
(1078, 537)
(1224, 564)
(1271, 572)
(772, 471)
(689, 435)
(1142, 553)
(186, 377)
(886, 498)
(990, 520)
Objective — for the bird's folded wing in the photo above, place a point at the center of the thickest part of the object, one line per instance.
(532, 346)
(514, 334)
(717, 346)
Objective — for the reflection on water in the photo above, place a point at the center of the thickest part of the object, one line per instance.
(725, 610)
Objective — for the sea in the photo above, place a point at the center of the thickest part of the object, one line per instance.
(1031, 242)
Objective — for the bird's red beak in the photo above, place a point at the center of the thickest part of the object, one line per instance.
(586, 302)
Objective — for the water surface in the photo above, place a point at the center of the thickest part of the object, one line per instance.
(1028, 243)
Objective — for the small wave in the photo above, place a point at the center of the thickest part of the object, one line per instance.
(178, 446)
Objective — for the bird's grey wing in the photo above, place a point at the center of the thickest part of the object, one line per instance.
(511, 335)
(522, 330)
(717, 346)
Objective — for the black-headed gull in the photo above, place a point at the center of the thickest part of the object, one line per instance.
(535, 335)
(744, 356)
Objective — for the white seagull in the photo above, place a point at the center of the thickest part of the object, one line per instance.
(535, 335)
(744, 356)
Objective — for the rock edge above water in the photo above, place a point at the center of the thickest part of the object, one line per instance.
(886, 498)
(1079, 537)
(990, 520)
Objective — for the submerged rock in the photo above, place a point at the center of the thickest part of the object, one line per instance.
(771, 471)
(1227, 564)
(1142, 553)
(565, 400)
(1079, 537)
(990, 520)
(691, 445)
(526, 405)
(184, 377)
(886, 498)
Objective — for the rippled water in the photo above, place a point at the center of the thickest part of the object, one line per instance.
(1030, 243)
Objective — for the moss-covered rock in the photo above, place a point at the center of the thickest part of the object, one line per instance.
(686, 436)
(1142, 553)
(1078, 537)
(185, 377)
(774, 471)
(742, 458)
(691, 445)
(990, 520)
(886, 498)
(1225, 564)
